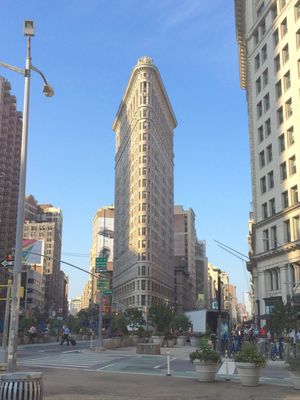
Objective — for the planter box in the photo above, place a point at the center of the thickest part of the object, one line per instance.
(249, 373)
(181, 340)
(206, 370)
(156, 340)
(194, 341)
(148, 348)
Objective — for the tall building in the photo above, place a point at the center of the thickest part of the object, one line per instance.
(268, 34)
(103, 246)
(10, 152)
(44, 222)
(185, 259)
(143, 249)
(201, 274)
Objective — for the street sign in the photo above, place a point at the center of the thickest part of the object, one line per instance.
(101, 263)
(102, 284)
(106, 292)
(6, 263)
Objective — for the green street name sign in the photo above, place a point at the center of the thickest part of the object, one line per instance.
(105, 292)
(101, 263)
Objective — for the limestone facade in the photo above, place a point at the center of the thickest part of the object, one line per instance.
(143, 247)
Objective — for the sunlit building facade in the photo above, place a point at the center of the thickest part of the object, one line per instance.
(268, 34)
(143, 248)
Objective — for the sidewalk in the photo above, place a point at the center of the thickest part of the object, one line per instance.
(82, 385)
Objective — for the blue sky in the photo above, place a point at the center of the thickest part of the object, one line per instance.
(87, 49)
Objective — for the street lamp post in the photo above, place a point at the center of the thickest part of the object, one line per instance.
(48, 91)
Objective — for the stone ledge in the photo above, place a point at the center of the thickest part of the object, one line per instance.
(148, 348)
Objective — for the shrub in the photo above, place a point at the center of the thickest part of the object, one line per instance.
(293, 363)
(204, 352)
(250, 354)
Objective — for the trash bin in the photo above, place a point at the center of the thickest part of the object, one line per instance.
(21, 386)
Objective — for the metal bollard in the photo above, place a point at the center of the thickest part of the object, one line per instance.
(168, 363)
(21, 386)
(226, 366)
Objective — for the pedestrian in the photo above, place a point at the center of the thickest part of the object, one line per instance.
(66, 333)
(31, 333)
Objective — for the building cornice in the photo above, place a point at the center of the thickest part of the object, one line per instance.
(144, 63)
(241, 40)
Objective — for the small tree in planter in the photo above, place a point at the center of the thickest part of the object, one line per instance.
(293, 365)
(181, 325)
(160, 316)
(135, 319)
(249, 361)
(206, 361)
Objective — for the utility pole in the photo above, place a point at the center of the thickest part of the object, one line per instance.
(219, 310)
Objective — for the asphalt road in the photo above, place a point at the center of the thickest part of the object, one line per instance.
(125, 360)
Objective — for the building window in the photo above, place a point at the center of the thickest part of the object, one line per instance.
(280, 116)
(267, 102)
(298, 39)
(273, 231)
(260, 9)
(260, 134)
(297, 11)
(257, 62)
(263, 28)
(288, 108)
(262, 162)
(281, 143)
(292, 165)
(268, 127)
(276, 38)
(258, 85)
(294, 195)
(296, 227)
(285, 54)
(272, 208)
(285, 199)
(283, 171)
(278, 90)
(264, 53)
(259, 109)
(265, 76)
(282, 3)
(256, 37)
(271, 180)
(269, 153)
(290, 136)
(283, 27)
(277, 63)
(264, 210)
(287, 81)
(274, 11)
(287, 231)
(263, 185)
(266, 240)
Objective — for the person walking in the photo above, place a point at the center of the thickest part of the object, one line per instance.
(31, 333)
(66, 333)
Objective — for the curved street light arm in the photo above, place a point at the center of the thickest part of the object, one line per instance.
(39, 72)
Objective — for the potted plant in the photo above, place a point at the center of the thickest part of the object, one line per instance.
(160, 316)
(249, 361)
(293, 365)
(181, 325)
(206, 361)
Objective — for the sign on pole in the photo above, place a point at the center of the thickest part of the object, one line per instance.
(101, 264)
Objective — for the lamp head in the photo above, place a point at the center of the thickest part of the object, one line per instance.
(48, 90)
(29, 28)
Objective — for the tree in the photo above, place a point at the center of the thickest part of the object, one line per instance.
(161, 316)
(181, 323)
(134, 318)
(119, 325)
(282, 318)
